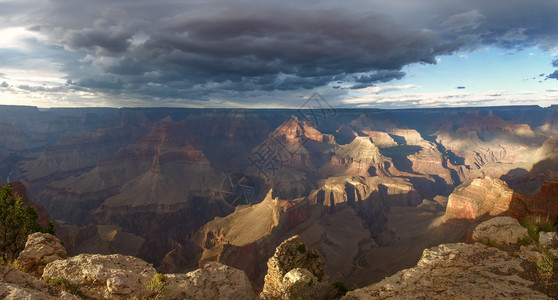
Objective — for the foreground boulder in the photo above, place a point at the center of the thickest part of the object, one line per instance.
(501, 230)
(456, 271)
(15, 284)
(548, 240)
(301, 284)
(40, 249)
(213, 281)
(293, 271)
(103, 276)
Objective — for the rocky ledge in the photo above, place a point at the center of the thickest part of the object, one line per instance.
(94, 276)
(503, 264)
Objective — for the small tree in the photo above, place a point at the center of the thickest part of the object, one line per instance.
(16, 223)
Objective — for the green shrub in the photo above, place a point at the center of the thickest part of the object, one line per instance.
(340, 287)
(545, 264)
(16, 223)
(158, 285)
(301, 248)
(536, 224)
(309, 282)
(65, 284)
(525, 241)
(490, 242)
(14, 263)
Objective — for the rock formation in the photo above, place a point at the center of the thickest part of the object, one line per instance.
(488, 144)
(15, 285)
(293, 271)
(344, 134)
(360, 157)
(298, 144)
(487, 196)
(114, 277)
(371, 197)
(542, 203)
(105, 276)
(237, 240)
(380, 139)
(407, 136)
(72, 155)
(456, 271)
(40, 249)
(123, 277)
(476, 270)
(492, 197)
(369, 122)
(212, 281)
(500, 230)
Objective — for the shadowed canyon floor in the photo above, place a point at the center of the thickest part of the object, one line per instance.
(413, 230)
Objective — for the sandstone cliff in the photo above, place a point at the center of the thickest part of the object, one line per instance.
(360, 157)
(482, 197)
(491, 197)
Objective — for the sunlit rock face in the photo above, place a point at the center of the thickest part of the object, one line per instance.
(488, 144)
(360, 157)
(380, 139)
(40, 249)
(482, 197)
(491, 197)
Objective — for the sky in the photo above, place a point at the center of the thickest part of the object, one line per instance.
(277, 54)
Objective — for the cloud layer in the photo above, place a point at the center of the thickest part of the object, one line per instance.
(195, 51)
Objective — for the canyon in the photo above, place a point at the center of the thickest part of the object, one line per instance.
(369, 190)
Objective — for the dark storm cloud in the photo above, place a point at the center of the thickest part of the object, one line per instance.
(314, 48)
(381, 76)
(460, 87)
(192, 49)
(4, 84)
(102, 83)
(98, 38)
(244, 47)
(553, 75)
(555, 63)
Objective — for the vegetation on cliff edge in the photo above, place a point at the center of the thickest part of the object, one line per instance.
(17, 221)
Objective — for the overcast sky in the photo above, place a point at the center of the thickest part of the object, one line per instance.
(267, 53)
